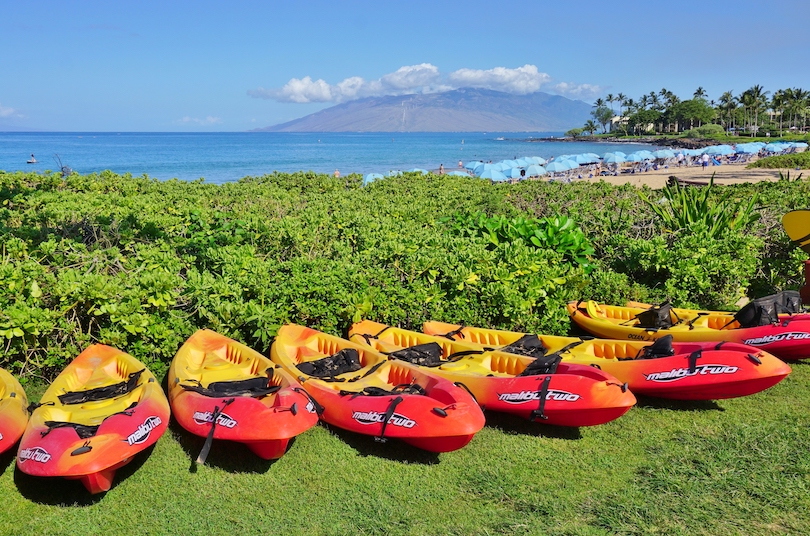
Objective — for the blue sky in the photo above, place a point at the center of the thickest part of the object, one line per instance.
(233, 66)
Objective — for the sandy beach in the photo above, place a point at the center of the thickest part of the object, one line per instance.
(725, 174)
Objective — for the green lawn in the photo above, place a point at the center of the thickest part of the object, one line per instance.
(731, 467)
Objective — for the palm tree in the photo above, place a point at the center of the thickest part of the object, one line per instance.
(778, 104)
(599, 103)
(700, 93)
(758, 101)
(590, 127)
(611, 99)
(728, 104)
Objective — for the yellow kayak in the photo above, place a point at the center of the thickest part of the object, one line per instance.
(13, 410)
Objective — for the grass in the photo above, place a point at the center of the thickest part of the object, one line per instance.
(728, 467)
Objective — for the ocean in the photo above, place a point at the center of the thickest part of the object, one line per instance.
(229, 156)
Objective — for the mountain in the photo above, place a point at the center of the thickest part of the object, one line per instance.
(460, 110)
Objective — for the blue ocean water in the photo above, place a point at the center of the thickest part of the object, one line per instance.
(229, 156)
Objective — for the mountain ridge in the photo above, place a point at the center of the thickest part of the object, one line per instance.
(460, 110)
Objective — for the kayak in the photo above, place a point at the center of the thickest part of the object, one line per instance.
(102, 410)
(543, 390)
(787, 338)
(663, 369)
(360, 390)
(13, 410)
(221, 389)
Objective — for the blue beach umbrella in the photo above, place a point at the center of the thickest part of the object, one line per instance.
(458, 173)
(635, 157)
(556, 167)
(718, 150)
(594, 156)
(614, 159)
(617, 153)
(418, 170)
(473, 164)
(664, 153)
(394, 173)
(513, 173)
(774, 147)
(370, 177)
(493, 175)
(511, 163)
(746, 148)
(535, 171)
(522, 162)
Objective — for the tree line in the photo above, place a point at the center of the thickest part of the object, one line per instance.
(753, 111)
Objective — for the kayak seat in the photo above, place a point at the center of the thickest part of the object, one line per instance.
(102, 393)
(252, 387)
(425, 355)
(528, 345)
(341, 362)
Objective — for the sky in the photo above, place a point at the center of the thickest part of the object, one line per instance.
(203, 66)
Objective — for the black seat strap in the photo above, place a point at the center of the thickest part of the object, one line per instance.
(210, 437)
(388, 414)
(539, 413)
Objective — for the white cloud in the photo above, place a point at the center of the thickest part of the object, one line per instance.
(410, 77)
(422, 78)
(194, 120)
(6, 112)
(578, 91)
(523, 80)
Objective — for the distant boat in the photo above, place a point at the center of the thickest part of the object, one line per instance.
(499, 139)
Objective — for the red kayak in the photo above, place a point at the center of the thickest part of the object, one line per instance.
(544, 390)
(361, 391)
(686, 371)
(102, 410)
(221, 389)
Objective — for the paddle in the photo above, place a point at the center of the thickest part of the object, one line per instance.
(797, 227)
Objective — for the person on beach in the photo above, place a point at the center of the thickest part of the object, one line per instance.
(441, 169)
(705, 160)
(337, 174)
(460, 165)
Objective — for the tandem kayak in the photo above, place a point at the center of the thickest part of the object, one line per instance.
(102, 410)
(221, 389)
(542, 390)
(684, 371)
(786, 338)
(361, 391)
(13, 411)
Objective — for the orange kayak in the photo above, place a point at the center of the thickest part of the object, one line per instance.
(13, 410)
(363, 392)
(102, 410)
(221, 389)
(686, 371)
(562, 394)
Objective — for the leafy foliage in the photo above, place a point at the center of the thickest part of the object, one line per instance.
(684, 207)
(140, 264)
(784, 161)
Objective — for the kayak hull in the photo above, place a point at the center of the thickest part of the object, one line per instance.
(13, 411)
(265, 424)
(126, 424)
(697, 371)
(442, 419)
(576, 395)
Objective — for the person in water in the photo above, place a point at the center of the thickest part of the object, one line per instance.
(32, 160)
(441, 169)
(337, 174)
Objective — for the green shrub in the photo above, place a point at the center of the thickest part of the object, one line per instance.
(705, 131)
(784, 161)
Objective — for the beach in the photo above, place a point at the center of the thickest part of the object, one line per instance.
(725, 174)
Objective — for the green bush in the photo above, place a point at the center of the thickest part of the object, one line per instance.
(141, 264)
(784, 161)
(705, 131)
